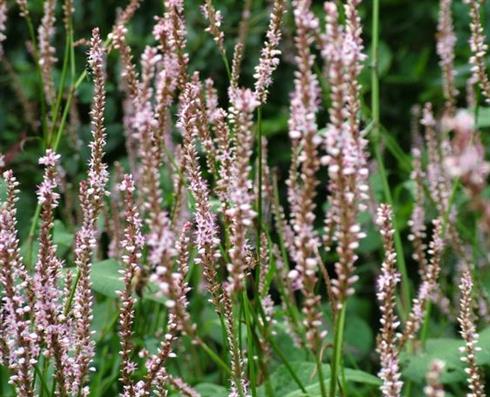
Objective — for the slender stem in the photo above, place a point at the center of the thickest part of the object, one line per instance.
(236, 356)
(213, 356)
(44, 386)
(265, 332)
(425, 327)
(337, 348)
(67, 109)
(30, 237)
(292, 309)
(321, 377)
(259, 189)
(53, 387)
(250, 344)
(227, 64)
(32, 231)
(32, 35)
(290, 369)
(69, 302)
(61, 89)
(376, 140)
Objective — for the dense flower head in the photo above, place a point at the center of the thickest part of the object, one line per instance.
(46, 191)
(215, 19)
(446, 41)
(430, 281)
(47, 52)
(346, 156)
(240, 209)
(434, 387)
(469, 335)
(386, 292)
(269, 56)
(24, 9)
(478, 48)
(18, 334)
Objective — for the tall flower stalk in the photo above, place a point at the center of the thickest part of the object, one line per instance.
(132, 245)
(346, 159)
(478, 48)
(92, 192)
(428, 286)
(47, 53)
(434, 387)
(446, 41)
(50, 322)
(20, 339)
(386, 293)
(468, 332)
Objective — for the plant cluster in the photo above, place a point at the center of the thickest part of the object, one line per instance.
(193, 267)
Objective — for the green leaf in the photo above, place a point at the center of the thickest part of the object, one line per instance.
(106, 280)
(385, 58)
(351, 375)
(483, 117)
(447, 350)
(358, 376)
(306, 371)
(210, 390)
(358, 337)
(283, 384)
(103, 314)
(62, 238)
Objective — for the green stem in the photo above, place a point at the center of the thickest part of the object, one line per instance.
(236, 354)
(53, 387)
(32, 35)
(425, 327)
(227, 64)
(44, 386)
(266, 334)
(250, 344)
(259, 191)
(213, 356)
(290, 369)
(30, 237)
(376, 135)
(61, 89)
(32, 231)
(67, 109)
(337, 349)
(69, 302)
(321, 377)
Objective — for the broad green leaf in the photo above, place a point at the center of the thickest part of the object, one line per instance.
(62, 238)
(447, 350)
(103, 315)
(351, 375)
(483, 117)
(284, 385)
(106, 280)
(210, 390)
(358, 337)
(358, 376)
